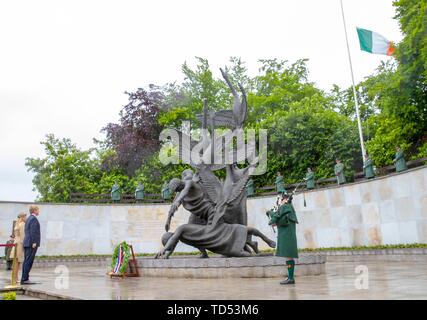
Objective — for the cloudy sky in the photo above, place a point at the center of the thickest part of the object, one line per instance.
(64, 65)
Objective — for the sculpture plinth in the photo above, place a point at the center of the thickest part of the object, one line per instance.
(261, 266)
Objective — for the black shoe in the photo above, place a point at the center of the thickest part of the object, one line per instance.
(28, 282)
(288, 281)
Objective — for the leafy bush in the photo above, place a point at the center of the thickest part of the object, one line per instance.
(9, 295)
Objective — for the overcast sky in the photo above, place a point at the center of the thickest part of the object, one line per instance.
(64, 65)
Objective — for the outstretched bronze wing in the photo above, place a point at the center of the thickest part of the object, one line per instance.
(210, 183)
(239, 186)
(232, 202)
(222, 118)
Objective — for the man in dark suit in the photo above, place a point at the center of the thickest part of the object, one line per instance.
(31, 243)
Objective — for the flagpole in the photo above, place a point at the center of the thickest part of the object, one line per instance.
(359, 123)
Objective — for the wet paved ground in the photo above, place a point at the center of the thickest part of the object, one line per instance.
(387, 280)
(24, 297)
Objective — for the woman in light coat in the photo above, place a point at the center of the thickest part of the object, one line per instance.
(19, 232)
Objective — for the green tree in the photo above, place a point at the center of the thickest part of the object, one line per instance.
(310, 134)
(278, 85)
(64, 170)
(108, 179)
(153, 174)
(412, 55)
(393, 101)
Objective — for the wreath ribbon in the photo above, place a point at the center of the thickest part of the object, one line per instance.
(120, 260)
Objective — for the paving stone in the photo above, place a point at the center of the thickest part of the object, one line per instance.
(335, 283)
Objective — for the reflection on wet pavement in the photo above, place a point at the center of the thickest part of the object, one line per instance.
(385, 280)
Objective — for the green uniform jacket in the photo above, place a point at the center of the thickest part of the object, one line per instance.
(280, 186)
(250, 188)
(286, 219)
(400, 162)
(368, 169)
(310, 180)
(339, 172)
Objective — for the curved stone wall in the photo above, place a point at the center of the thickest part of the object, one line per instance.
(387, 210)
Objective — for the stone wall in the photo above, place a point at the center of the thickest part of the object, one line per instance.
(387, 210)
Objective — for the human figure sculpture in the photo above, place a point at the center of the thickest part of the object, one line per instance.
(115, 192)
(309, 178)
(220, 234)
(399, 160)
(218, 217)
(368, 168)
(166, 194)
(231, 248)
(339, 172)
(139, 192)
(280, 185)
(250, 188)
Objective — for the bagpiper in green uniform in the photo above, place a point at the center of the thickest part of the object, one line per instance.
(115, 192)
(166, 194)
(250, 188)
(309, 178)
(280, 186)
(368, 168)
(339, 172)
(399, 160)
(285, 219)
(139, 192)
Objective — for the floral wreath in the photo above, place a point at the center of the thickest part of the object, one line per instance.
(120, 260)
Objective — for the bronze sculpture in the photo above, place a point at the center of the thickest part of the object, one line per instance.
(218, 220)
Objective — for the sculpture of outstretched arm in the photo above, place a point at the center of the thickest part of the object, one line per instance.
(176, 203)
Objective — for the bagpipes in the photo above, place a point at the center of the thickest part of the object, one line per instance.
(293, 192)
(274, 210)
(280, 198)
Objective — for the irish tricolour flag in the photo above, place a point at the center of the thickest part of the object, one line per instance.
(374, 43)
